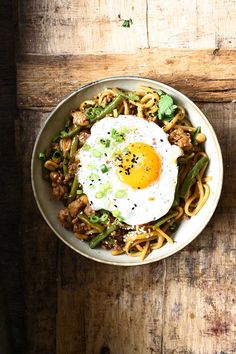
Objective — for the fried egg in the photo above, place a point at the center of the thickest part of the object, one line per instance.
(129, 168)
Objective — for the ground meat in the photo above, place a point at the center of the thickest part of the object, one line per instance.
(80, 227)
(59, 191)
(79, 118)
(88, 210)
(65, 218)
(83, 136)
(181, 138)
(75, 206)
(56, 177)
(72, 168)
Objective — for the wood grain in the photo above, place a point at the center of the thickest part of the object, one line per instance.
(202, 75)
(85, 27)
(40, 252)
(185, 304)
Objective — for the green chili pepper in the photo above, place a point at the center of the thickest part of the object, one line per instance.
(86, 220)
(189, 179)
(109, 108)
(165, 219)
(97, 239)
(73, 190)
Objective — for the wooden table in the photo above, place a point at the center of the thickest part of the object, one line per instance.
(185, 303)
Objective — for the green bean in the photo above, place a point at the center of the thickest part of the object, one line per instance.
(42, 156)
(86, 220)
(74, 146)
(97, 239)
(109, 108)
(165, 219)
(71, 133)
(190, 178)
(73, 190)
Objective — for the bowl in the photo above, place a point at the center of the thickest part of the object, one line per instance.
(49, 207)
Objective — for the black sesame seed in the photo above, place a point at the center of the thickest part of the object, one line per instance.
(135, 205)
(115, 205)
(161, 140)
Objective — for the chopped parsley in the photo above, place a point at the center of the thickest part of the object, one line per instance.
(127, 23)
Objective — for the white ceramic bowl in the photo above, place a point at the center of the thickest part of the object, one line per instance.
(49, 207)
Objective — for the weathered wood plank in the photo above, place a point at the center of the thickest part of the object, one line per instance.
(105, 309)
(184, 304)
(202, 75)
(192, 24)
(40, 251)
(80, 27)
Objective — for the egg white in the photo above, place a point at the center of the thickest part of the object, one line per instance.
(138, 206)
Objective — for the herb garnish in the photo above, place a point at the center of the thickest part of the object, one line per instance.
(127, 23)
(166, 108)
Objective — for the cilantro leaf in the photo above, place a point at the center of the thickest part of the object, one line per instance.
(166, 107)
(127, 23)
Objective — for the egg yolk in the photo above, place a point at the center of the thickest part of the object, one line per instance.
(139, 166)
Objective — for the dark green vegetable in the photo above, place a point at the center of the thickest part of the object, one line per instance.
(73, 190)
(86, 220)
(190, 178)
(97, 239)
(127, 23)
(109, 108)
(105, 142)
(166, 107)
(74, 146)
(165, 219)
(194, 141)
(42, 156)
(117, 136)
(104, 168)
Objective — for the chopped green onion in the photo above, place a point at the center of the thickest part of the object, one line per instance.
(91, 167)
(56, 156)
(92, 112)
(63, 133)
(104, 168)
(94, 218)
(99, 195)
(117, 136)
(96, 153)
(132, 96)
(105, 187)
(121, 193)
(79, 192)
(42, 156)
(93, 177)
(86, 147)
(159, 92)
(105, 142)
(104, 217)
(116, 213)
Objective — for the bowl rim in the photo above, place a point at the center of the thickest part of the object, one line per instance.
(184, 98)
